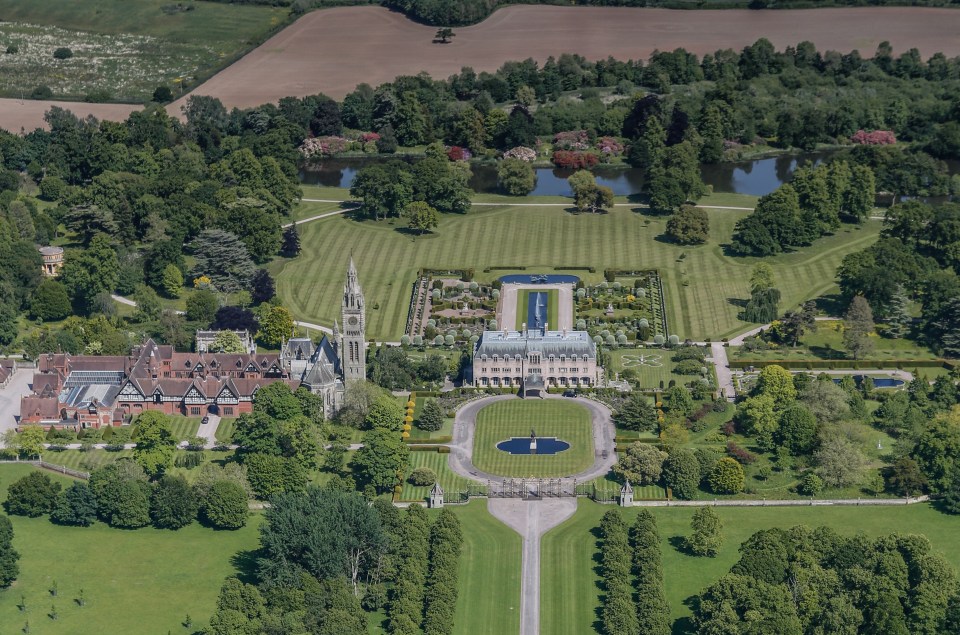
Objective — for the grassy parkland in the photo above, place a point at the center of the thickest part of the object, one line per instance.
(147, 580)
(703, 285)
(564, 420)
(570, 595)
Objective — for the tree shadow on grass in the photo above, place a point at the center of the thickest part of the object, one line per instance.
(414, 233)
(680, 544)
(824, 352)
(597, 569)
(832, 304)
(245, 562)
(738, 302)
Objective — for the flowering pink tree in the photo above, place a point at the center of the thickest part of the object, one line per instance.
(609, 146)
(456, 153)
(875, 138)
(521, 152)
(574, 160)
(324, 146)
(571, 140)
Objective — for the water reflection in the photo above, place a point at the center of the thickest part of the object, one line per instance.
(757, 178)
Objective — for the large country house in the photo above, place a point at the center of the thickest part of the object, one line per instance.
(88, 391)
(535, 360)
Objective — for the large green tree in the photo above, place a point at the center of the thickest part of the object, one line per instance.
(155, 443)
(382, 459)
(324, 532)
(689, 225)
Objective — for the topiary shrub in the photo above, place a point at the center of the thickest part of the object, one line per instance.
(422, 477)
(62, 53)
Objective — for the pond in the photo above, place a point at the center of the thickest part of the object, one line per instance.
(757, 177)
(547, 278)
(878, 382)
(524, 445)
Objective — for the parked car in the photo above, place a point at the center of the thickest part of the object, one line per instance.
(569, 393)
(205, 420)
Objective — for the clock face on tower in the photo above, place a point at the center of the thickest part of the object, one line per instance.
(353, 321)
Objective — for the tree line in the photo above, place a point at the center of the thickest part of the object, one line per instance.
(328, 557)
(634, 601)
(803, 580)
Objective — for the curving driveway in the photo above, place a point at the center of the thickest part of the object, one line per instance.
(465, 424)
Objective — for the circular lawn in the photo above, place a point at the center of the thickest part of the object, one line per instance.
(562, 419)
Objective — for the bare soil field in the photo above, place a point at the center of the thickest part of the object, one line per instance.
(333, 50)
(27, 114)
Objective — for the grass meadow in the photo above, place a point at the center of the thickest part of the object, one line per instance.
(141, 581)
(704, 288)
(125, 48)
(549, 418)
(570, 595)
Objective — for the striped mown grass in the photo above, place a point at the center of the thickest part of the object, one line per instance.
(184, 428)
(225, 430)
(449, 480)
(564, 420)
(701, 289)
(488, 598)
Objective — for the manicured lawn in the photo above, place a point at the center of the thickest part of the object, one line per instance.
(653, 367)
(552, 308)
(140, 581)
(450, 481)
(700, 290)
(827, 343)
(85, 461)
(569, 594)
(566, 421)
(225, 430)
(488, 602)
(184, 428)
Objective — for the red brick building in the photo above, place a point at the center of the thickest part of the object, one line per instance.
(86, 391)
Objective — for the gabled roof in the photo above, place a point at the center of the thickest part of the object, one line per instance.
(43, 407)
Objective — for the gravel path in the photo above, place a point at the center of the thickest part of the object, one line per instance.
(531, 519)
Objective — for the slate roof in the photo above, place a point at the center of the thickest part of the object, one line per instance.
(513, 343)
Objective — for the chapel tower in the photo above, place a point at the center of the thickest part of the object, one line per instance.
(353, 348)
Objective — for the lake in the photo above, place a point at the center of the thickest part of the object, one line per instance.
(757, 177)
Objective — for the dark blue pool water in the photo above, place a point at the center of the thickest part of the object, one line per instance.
(545, 445)
(525, 278)
(878, 382)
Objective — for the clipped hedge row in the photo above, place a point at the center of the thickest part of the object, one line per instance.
(618, 611)
(843, 364)
(440, 596)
